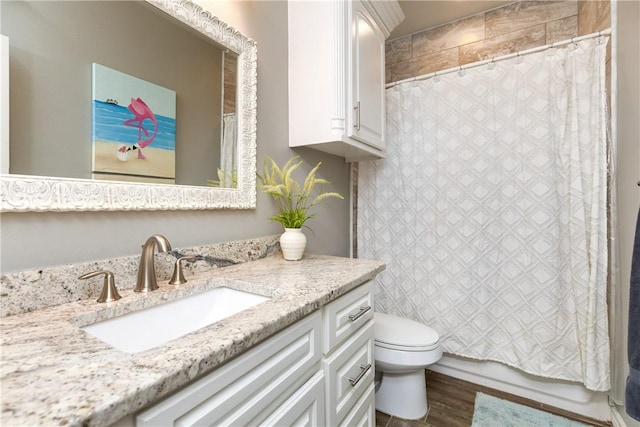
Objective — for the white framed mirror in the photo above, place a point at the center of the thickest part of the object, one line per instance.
(26, 192)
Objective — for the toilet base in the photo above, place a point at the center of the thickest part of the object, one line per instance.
(403, 395)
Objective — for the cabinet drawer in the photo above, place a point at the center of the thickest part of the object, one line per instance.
(346, 315)
(349, 372)
(243, 391)
(304, 408)
(363, 413)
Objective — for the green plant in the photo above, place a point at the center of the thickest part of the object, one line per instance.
(292, 199)
(224, 179)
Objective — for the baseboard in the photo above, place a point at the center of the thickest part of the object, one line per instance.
(618, 419)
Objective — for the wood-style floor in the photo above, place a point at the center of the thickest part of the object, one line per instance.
(451, 405)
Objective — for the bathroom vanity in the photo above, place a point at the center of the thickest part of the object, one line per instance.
(305, 353)
(285, 379)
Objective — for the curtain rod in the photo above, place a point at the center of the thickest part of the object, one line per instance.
(501, 58)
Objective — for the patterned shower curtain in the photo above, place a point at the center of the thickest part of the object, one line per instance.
(490, 211)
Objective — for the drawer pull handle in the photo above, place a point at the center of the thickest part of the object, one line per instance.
(363, 372)
(359, 314)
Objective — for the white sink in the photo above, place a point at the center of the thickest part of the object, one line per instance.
(154, 326)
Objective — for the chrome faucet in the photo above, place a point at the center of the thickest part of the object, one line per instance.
(147, 273)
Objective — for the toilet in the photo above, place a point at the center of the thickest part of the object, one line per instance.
(403, 348)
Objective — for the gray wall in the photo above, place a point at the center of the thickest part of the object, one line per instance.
(34, 240)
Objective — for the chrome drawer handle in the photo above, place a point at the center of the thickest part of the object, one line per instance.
(363, 372)
(362, 312)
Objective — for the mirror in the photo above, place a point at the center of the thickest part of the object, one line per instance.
(229, 118)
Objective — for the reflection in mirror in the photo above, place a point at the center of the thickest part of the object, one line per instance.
(52, 86)
(209, 65)
(227, 172)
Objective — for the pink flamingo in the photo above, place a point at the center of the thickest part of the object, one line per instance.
(141, 111)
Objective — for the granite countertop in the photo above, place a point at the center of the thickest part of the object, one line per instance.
(53, 373)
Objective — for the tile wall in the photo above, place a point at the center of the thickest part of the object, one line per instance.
(517, 26)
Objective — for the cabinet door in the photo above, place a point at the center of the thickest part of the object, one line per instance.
(304, 408)
(367, 53)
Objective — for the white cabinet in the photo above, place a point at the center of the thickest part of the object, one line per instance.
(258, 385)
(336, 75)
(317, 372)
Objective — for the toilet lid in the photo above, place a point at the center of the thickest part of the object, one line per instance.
(403, 334)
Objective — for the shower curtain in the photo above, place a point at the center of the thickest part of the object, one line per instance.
(228, 150)
(490, 211)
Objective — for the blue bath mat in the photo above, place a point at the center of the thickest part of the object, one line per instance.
(494, 412)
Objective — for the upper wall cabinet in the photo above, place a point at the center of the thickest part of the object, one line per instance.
(336, 75)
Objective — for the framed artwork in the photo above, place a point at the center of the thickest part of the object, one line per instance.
(133, 129)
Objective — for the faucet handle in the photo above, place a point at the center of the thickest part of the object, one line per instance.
(178, 278)
(109, 290)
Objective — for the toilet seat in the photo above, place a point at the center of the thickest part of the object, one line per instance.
(396, 333)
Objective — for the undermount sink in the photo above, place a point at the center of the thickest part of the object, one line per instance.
(154, 326)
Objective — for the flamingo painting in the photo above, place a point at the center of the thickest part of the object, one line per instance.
(132, 115)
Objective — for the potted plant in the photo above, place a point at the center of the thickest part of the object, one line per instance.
(293, 201)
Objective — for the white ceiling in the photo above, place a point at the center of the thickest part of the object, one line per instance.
(423, 14)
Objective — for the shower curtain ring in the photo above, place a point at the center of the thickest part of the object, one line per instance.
(518, 58)
(573, 42)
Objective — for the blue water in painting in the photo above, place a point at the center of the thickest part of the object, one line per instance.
(108, 125)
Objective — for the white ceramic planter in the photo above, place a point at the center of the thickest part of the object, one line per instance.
(292, 243)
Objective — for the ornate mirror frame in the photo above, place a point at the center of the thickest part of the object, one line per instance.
(26, 193)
